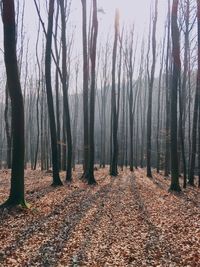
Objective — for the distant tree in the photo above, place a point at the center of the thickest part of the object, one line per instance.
(174, 96)
(76, 115)
(151, 82)
(158, 145)
(17, 175)
(38, 98)
(103, 101)
(131, 63)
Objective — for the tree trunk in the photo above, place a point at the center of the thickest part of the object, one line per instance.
(54, 149)
(174, 93)
(93, 47)
(196, 105)
(37, 101)
(7, 128)
(17, 175)
(151, 82)
(65, 84)
(85, 87)
(114, 156)
(167, 82)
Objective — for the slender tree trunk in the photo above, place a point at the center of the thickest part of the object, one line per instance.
(42, 147)
(65, 81)
(168, 81)
(158, 110)
(85, 87)
(151, 82)
(57, 55)
(174, 96)
(37, 101)
(54, 149)
(75, 121)
(114, 155)
(182, 95)
(196, 107)
(93, 45)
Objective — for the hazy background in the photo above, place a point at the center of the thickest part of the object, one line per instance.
(131, 12)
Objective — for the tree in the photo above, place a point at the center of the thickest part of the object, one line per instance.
(199, 147)
(57, 55)
(54, 149)
(151, 81)
(131, 64)
(167, 84)
(17, 175)
(65, 81)
(158, 145)
(85, 87)
(38, 98)
(114, 119)
(183, 91)
(174, 95)
(75, 119)
(196, 105)
(103, 101)
(93, 47)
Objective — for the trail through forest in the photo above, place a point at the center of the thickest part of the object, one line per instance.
(130, 220)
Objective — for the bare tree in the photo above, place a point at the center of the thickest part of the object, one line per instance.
(158, 107)
(65, 87)
(17, 176)
(93, 47)
(114, 120)
(52, 123)
(167, 97)
(85, 86)
(151, 81)
(174, 96)
(196, 108)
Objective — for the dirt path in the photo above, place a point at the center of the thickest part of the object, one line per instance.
(129, 220)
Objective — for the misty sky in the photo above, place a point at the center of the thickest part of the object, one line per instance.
(131, 11)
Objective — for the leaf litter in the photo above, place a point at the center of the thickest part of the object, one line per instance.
(129, 220)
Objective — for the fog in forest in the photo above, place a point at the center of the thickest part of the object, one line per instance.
(102, 97)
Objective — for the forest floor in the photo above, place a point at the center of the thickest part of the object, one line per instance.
(129, 220)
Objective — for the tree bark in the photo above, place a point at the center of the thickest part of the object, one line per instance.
(65, 81)
(114, 155)
(8, 130)
(54, 149)
(93, 47)
(196, 105)
(85, 87)
(151, 82)
(17, 175)
(174, 95)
